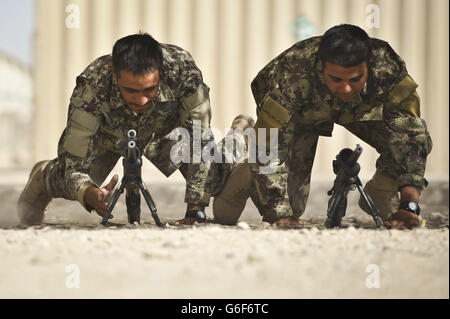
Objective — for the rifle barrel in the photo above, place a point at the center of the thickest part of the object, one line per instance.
(353, 158)
(132, 151)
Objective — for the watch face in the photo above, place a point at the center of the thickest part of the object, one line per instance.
(412, 206)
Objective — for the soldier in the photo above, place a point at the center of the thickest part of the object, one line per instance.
(146, 86)
(342, 77)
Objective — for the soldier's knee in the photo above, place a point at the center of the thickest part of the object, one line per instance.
(243, 122)
(226, 212)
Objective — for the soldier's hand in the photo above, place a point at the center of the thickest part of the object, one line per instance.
(288, 222)
(190, 220)
(186, 221)
(403, 219)
(98, 197)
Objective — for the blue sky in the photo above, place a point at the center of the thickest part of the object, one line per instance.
(16, 29)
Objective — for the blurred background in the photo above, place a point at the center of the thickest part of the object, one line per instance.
(45, 44)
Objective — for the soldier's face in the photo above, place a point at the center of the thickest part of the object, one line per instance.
(138, 90)
(344, 82)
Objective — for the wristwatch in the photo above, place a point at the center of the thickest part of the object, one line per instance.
(198, 214)
(410, 206)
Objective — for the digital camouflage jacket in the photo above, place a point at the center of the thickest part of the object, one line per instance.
(98, 117)
(291, 95)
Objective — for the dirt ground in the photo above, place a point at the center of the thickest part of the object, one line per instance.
(71, 256)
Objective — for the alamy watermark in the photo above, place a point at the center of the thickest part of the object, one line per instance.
(73, 17)
(238, 146)
(73, 278)
(373, 17)
(373, 279)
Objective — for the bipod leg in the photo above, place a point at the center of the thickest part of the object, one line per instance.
(336, 210)
(113, 201)
(150, 203)
(370, 205)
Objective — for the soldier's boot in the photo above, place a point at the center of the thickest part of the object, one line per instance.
(384, 194)
(35, 198)
(133, 201)
(230, 202)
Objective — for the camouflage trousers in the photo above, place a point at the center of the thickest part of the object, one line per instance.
(293, 176)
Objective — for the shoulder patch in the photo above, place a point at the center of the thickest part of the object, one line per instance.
(198, 106)
(403, 89)
(272, 114)
(196, 98)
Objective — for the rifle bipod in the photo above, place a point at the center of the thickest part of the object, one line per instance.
(132, 165)
(120, 190)
(346, 168)
(340, 203)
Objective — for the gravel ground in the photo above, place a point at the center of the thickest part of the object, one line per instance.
(250, 260)
(209, 261)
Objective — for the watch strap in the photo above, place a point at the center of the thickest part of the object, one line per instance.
(406, 206)
(197, 213)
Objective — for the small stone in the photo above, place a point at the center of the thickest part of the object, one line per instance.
(252, 258)
(34, 260)
(146, 255)
(243, 225)
(229, 255)
(436, 217)
(168, 244)
(214, 229)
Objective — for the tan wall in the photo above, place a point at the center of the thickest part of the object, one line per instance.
(231, 41)
(15, 107)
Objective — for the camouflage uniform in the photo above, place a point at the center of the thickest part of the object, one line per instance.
(291, 95)
(98, 117)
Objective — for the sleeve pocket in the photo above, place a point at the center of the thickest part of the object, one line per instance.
(409, 125)
(198, 106)
(80, 129)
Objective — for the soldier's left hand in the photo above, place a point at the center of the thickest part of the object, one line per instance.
(403, 219)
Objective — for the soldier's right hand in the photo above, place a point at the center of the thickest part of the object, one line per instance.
(98, 197)
(288, 222)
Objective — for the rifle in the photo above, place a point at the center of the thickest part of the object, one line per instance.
(132, 168)
(346, 168)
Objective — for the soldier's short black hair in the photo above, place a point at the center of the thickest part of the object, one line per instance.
(345, 45)
(137, 53)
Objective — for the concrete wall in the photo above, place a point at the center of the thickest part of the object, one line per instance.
(231, 41)
(15, 107)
